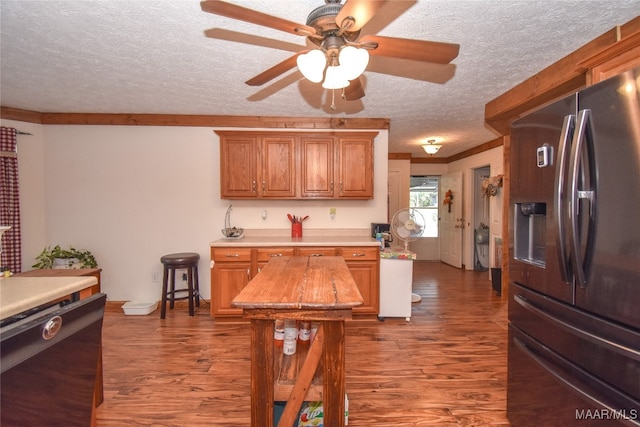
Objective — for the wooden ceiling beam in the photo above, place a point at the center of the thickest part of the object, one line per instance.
(561, 78)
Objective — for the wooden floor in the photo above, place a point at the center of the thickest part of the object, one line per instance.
(447, 367)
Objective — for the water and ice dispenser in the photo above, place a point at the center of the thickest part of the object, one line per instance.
(529, 232)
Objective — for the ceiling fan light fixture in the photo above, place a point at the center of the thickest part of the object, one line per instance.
(312, 64)
(335, 78)
(431, 148)
(354, 61)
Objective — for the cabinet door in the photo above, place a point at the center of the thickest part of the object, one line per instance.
(365, 274)
(317, 158)
(230, 279)
(278, 172)
(238, 166)
(230, 274)
(364, 266)
(355, 163)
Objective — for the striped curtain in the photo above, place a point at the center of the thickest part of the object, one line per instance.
(9, 200)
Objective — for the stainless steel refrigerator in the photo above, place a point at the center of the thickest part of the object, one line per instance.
(574, 267)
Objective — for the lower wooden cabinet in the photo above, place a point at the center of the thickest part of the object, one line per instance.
(233, 268)
(364, 266)
(230, 274)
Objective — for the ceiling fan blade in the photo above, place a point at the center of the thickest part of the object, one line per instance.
(252, 39)
(360, 10)
(240, 13)
(417, 50)
(354, 91)
(275, 71)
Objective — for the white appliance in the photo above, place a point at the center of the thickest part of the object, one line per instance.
(396, 277)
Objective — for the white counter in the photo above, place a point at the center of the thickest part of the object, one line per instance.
(18, 294)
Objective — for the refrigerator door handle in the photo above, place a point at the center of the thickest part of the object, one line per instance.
(564, 146)
(625, 351)
(581, 175)
(570, 382)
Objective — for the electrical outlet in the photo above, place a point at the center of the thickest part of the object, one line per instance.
(332, 213)
(154, 277)
(184, 277)
(263, 216)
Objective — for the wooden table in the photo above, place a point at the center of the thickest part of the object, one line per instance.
(303, 288)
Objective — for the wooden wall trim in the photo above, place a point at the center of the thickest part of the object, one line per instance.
(399, 156)
(193, 120)
(467, 153)
(477, 150)
(19, 115)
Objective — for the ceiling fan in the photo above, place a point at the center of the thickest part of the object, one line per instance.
(342, 54)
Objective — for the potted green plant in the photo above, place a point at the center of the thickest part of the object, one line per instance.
(57, 257)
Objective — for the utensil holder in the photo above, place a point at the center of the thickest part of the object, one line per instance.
(296, 229)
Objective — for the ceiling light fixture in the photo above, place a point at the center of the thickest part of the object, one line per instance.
(344, 63)
(431, 148)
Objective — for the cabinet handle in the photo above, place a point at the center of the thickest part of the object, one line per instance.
(357, 255)
(275, 255)
(264, 185)
(331, 185)
(316, 254)
(232, 255)
(249, 274)
(253, 186)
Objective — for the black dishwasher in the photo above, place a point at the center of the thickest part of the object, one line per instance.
(48, 362)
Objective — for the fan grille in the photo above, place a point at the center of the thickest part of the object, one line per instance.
(408, 225)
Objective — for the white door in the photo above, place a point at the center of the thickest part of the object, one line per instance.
(451, 221)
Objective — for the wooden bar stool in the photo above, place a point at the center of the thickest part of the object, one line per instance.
(173, 262)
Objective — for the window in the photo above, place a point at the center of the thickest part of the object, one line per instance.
(423, 196)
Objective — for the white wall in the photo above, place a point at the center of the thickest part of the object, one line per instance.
(130, 194)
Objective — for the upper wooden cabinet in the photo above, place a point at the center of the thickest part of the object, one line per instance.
(296, 165)
(277, 172)
(255, 166)
(317, 157)
(355, 167)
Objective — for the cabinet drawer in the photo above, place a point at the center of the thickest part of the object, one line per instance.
(319, 251)
(360, 253)
(231, 254)
(265, 254)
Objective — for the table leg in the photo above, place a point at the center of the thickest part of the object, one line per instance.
(334, 372)
(262, 372)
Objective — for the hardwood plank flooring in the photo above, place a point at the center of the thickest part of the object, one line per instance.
(447, 367)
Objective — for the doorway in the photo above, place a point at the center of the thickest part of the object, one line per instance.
(481, 218)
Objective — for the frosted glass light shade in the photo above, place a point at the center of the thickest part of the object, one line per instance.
(312, 64)
(354, 61)
(431, 148)
(334, 78)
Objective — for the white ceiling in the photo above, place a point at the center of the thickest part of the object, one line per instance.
(162, 56)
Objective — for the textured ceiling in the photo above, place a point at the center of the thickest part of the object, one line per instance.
(169, 57)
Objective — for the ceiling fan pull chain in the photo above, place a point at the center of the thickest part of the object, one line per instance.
(333, 99)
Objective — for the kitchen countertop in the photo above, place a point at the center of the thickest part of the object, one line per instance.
(331, 240)
(18, 294)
